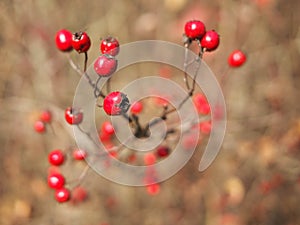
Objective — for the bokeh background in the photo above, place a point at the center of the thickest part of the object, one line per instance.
(256, 177)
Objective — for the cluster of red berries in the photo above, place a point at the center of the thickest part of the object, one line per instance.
(66, 41)
(44, 119)
(196, 30)
(57, 181)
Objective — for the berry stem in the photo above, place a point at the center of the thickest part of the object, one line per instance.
(85, 61)
(80, 73)
(83, 174)
(185, 65)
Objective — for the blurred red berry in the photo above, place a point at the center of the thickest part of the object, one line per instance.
(79, 154)
(205, 127)
(162, 151)
(136, 107)
(79, 194)
(201, 103)
(46, 116)
(39, 126)
(153, 189)
(107, 128)
(149, 159)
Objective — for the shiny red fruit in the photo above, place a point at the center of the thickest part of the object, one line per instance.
(63, 40)
(81, 42)
(56, 157)
(56, 181)
(210, 41)
(237, 58)
(116, 103)
(194, 29)
(110, 46)
(62, 195)
(105, 65)
(73, 116)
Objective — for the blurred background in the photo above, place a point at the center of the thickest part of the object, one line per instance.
(254, 180)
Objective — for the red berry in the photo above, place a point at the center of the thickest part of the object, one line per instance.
(56, 157)
(73, 116)
(62, 195)
(194, 29)
(56, 181)
(39, 126)
(201, 104)
(63, 40)
(162, 151)
(116, 103)
(153, 189)
(149, 159)
(79, 194)
(136, 107)
(46, 116)
(205, 127)
(236, 58)
(79, 154)
(110, 46)
(107, 128)
(105, 65)
(81, 42)
(210, 41)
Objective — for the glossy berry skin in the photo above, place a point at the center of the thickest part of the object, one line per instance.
(210, 41)
(107, 128)
(62, 195)
(79, 154)
(162, 151)
(105, 65)
(81, 42)
(56, 157)
(63, 40)
(110, 46)
(237, 58)
(136, 108)
(73, 116)
(116, 103)
(194, 29)
(39, 126)
(56, 181)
